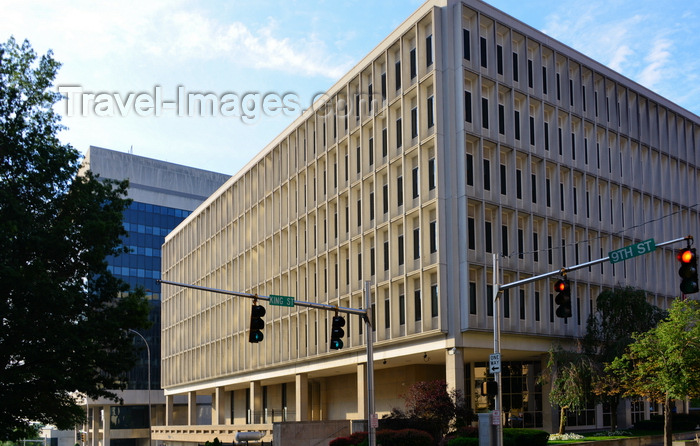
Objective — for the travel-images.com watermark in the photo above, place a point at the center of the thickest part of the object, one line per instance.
(248, 107)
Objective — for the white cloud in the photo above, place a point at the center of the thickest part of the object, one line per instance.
(657, 63)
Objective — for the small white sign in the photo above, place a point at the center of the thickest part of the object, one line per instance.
(374, 420)
(496, 417)
(495, 363)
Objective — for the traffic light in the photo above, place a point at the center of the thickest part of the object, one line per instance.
(489, 388)
(563, 299)
(337, 332)
(256, 323)
(688, 270)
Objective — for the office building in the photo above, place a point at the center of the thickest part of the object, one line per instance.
(464, 134)
(163, 195)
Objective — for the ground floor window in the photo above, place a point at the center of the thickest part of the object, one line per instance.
(585, 417)
(521, 394)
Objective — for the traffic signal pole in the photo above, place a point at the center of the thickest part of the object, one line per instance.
(497, 288)
(366, 315)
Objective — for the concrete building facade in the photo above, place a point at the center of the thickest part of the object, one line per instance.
(163, 195)
(464, 134)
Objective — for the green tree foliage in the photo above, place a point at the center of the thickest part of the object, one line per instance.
(618, 314)
(63, 316)
(570, 374)
(663, 363)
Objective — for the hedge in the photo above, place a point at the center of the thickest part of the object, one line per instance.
(387, 437)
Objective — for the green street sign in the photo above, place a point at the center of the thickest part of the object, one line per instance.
(281, 301)
(628, 252)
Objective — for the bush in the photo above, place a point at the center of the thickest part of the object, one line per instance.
(387, 437)
(397, 423)
(463, 441)
(524, 437)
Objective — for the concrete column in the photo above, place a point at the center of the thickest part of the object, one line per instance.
(94, 439)
(255, 402)
(218, 412)
(168, 410)
(362, 390)
(104, 413)
(191, 408)
(302, 397)
(454, 370)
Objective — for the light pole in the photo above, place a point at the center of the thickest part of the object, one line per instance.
(148, 351)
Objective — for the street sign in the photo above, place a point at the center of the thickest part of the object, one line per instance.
(495, 363)
(496, 417)
(374, 420)
(281, 301)
(628, 252)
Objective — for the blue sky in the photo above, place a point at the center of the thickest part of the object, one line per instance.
(123, 49)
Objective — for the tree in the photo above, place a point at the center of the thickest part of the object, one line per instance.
(618, 314)
(64, 316)
(663, 363)
(570, 374)
(433, 402)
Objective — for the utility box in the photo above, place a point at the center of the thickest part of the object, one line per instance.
(487, 431)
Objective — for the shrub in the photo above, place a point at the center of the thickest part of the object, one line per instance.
(463, 441)
(387, 437)
(524, 437)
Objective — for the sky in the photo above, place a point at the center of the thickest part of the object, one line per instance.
(125, 64)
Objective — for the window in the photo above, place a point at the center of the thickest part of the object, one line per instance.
(399, 191)
(385, 198)
(515, 67)
(467, 106)
(546, 136)
(397, 74)
(466, 50)
(516, 124)
(521, 243)
(532, 130)
(383, 86)
(412, 63)
(472, 298)
(386, 255)
(414, 122)
(371, 206)
(529, 73)
(417, 305)
(537, 306)
(371, 151)
(399, 141)
(470, 170)
(387, 313)
(385, 140)
(503, 180)
(431, 112)
(489, 307)
(416, 243)
(487, 175)
(429, 50)
(414, 182)
(544, 80)
(522, 305)
(485, 113)
(402, 310)
(506, 303)
(400, 246)
(434, 300)
(533, 187)
(501, 119)
(487, 236)
(499, 59)
(433, 237)
(483, 52)
(471, 235)
(371, 261)
(504, 240)
(518, 184)
(359, 212)
(549, 194)
(431, 174)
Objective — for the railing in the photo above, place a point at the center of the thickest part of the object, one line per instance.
(202, 433)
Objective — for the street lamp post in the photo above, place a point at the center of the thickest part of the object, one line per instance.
(148, 351)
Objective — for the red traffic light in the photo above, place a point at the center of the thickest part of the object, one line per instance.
(686, 255)
(561, 286)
